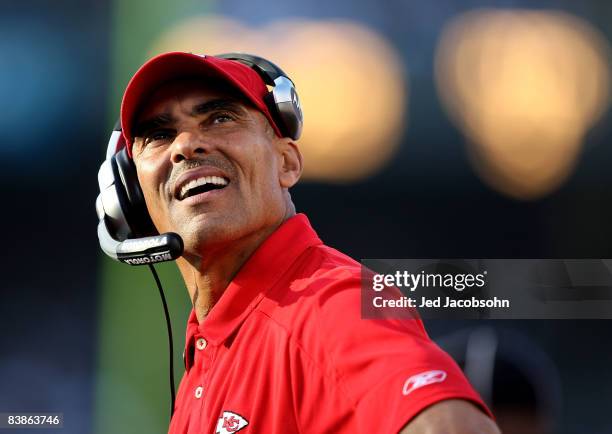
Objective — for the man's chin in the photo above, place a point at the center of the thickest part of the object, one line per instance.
(202, 237)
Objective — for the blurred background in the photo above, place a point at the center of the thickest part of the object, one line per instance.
(468, 129)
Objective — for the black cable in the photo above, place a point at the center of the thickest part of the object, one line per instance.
(170, 345)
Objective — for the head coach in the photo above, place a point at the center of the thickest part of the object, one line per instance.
(275, 342)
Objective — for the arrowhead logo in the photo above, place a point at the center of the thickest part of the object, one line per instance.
(230, 422)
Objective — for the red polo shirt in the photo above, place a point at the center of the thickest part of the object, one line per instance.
(285, 351)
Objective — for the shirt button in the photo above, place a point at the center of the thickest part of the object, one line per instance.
(201, 344)
(198, 392)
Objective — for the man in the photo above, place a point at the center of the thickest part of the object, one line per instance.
(275, 342)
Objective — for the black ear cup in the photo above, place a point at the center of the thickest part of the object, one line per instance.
(283, 101)
(130, 195)
(284, 104)
(125, 230)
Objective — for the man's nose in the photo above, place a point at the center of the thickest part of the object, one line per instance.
(186, 145)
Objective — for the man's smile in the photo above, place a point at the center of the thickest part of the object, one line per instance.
(200, 182)
(202, 185)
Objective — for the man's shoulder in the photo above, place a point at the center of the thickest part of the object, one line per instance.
(318, 297)
(321, 271)
(319, 301)
(320, 275)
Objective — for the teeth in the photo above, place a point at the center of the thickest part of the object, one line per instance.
(216, 180)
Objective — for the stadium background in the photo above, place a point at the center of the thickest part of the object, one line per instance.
(433, 129)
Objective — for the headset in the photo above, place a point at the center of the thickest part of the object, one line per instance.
(283, 101)
(126, 232)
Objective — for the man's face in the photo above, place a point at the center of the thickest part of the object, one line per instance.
(209, 166)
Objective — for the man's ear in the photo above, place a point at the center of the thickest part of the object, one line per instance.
(291, 165)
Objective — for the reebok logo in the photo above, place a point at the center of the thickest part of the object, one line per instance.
(423, 379)
(230, 422)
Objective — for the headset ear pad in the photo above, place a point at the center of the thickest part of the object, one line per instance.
(284, 103)
(130, 195)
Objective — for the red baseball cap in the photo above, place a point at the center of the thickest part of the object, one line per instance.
(174, 65)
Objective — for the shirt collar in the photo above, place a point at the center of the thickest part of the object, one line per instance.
(260, 272)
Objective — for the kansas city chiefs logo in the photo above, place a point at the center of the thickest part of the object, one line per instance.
(423, 379)
(230, 422)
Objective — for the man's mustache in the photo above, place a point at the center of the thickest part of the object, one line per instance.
(215, 161)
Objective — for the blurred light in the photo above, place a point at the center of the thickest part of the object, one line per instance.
(349, 80)
(37, 86)
(525, 87)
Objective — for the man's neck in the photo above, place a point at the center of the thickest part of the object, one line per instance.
(208, 275)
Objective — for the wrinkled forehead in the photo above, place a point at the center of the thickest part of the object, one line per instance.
(188, 92)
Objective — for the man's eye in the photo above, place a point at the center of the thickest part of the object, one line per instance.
(222, 118)
(157, 136)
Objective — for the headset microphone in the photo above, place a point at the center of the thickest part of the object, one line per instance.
(141, 251)
(125, 230)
